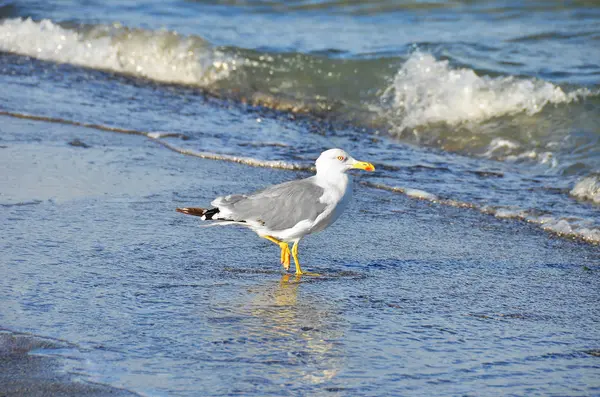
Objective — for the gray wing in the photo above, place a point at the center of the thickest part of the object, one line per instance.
(278, 207)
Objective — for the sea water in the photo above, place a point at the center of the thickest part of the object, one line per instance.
(483, 120)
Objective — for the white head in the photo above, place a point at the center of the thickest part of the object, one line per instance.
(337, 161)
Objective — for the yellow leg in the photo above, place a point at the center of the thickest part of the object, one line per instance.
(285, 251)
(285, 256)
(299, 271)
(296, 261)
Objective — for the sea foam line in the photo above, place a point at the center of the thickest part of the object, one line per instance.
(581, 230)
(59, 120)
(157, 137)
(562, 226)
(278, 164)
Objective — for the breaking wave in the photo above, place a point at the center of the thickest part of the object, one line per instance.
(587, 188)
(413, 96)
(162, 56)
(426, 90)
(423, 91)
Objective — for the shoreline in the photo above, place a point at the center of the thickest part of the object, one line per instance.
(23, 372)
(551, 225)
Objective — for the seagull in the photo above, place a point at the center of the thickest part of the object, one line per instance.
(287, 212)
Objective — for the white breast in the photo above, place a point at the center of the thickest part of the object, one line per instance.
(337, 196)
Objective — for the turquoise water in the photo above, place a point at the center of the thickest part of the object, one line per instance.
(466, 265)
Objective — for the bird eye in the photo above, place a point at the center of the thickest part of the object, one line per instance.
(341, 158)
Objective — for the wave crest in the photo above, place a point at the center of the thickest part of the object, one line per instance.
(587, 188)
(158, 55)
(426, 91)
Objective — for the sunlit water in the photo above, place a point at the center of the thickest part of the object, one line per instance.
(477, 116)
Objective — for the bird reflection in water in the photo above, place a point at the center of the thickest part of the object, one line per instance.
(304, 330)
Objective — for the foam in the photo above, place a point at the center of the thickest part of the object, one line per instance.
(155, 135)
(158, 55)
(571, 227)
(587, 189)
(413, 193)
(500, 146)
(420, 194)
(563, 226)
(508, 213)
(253, 162)
(426, 90)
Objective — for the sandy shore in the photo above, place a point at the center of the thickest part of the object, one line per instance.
(23, 372)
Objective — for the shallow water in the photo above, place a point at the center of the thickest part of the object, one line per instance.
(416, 298)
(466, 264)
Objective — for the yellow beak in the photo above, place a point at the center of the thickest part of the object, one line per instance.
(363, 165)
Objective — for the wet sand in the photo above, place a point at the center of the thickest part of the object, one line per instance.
(417, 298)
(25, 374)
